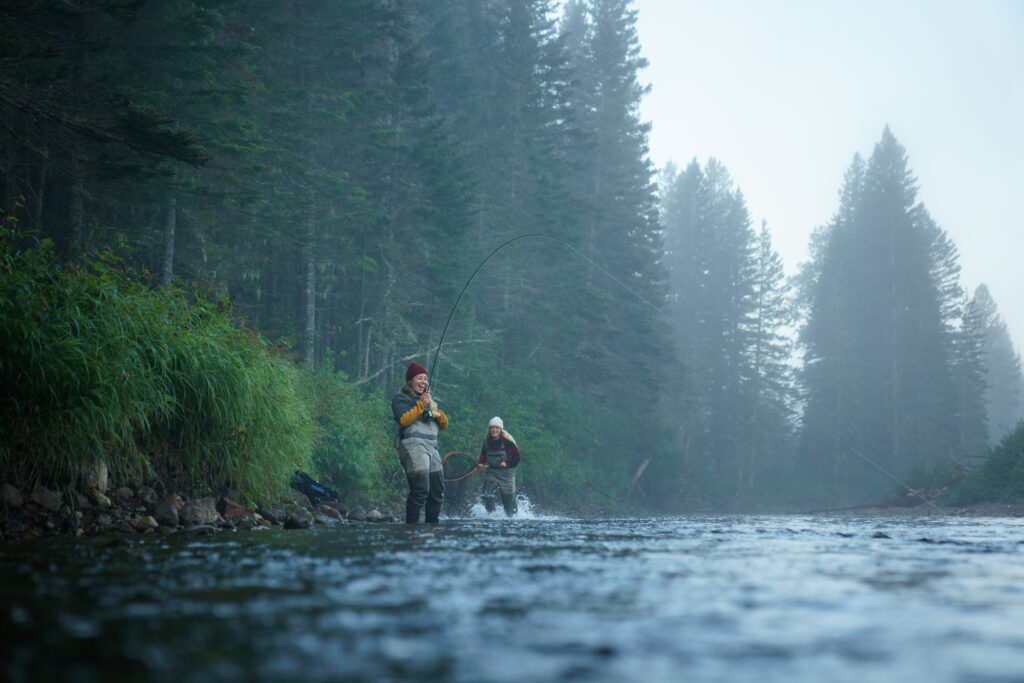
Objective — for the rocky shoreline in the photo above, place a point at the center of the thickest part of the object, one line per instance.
(106, 510)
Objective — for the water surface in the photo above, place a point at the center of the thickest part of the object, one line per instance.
(540, 598)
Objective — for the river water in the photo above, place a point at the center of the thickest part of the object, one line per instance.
(538, 598)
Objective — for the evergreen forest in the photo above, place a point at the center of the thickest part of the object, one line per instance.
(229, 227)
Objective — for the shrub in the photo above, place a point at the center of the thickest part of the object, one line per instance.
(999, 480)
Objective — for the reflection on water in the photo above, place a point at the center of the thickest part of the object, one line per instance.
(536, 598)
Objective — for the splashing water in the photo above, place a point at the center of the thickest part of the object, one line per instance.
(524, 511)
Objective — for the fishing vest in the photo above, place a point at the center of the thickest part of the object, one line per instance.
(422, 427)
(496, 453)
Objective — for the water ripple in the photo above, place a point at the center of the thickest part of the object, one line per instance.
(545, 598)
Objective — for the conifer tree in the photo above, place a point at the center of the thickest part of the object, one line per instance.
(971, 386)
(731, 301)
(1002, 367)
(878, 339)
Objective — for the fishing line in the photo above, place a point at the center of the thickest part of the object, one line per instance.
(644, 301)
(576, 251)
(890, 475)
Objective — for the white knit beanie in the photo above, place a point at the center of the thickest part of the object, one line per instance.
(496, 422)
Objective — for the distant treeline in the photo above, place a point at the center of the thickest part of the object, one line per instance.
(338, 169)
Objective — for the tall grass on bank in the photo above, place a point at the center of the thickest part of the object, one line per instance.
(354, 443)
(96, 367)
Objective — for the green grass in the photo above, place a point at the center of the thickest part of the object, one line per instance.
(156, 382)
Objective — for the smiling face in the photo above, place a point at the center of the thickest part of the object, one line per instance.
(419, 383)
(494, 431)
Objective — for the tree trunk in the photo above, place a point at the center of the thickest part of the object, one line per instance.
(77, 214)
(37, 210)
(170, 225)
(310, 296)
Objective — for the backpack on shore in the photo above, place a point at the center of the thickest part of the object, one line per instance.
(314, 490)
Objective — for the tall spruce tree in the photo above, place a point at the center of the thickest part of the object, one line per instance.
(969, 379)
(1002, 367)
(878, 340)
(730, 299)
(620, 228)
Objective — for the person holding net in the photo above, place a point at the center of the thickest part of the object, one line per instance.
(499, 456)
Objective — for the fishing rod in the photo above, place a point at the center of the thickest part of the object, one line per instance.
(662, 314)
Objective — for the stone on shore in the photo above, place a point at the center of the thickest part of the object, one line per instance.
(10, 496)
(200, 511)
(300, 518)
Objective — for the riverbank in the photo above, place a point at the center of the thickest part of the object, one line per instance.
(142, 509)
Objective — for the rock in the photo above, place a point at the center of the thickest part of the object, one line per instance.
(13, 528)
(45, 498)
(124, 493)
(201, 529)
(104, 521)
(245, 523)
(374, 516)
(96, 477)
(325, 519)
(340, 507)
(73, 522)
(329, 511)
(200, 511)
(231, 510)
(165, 513)
(297, 498)
(147, 496)
(99, 499)
(300, 518)
(144, 522)
(272, 515)
(10, 496)
(357, 514)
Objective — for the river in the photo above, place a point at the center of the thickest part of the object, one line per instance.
(539, 598)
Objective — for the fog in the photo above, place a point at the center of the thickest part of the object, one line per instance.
(784, 95)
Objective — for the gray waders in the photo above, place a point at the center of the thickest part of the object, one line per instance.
(504, 478)
(422, 465)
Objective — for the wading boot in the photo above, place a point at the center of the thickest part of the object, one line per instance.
(508, 500)
(435, 497)
(412, 513)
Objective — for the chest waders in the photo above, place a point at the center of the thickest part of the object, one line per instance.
(422, 463)
(504, 478)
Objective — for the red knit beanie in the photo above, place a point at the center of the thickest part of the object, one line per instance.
(413, 370)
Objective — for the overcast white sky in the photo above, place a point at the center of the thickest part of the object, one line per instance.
(784, 92)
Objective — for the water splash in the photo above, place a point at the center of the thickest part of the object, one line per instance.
(525, 511)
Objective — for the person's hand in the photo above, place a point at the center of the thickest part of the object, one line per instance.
(479, 466)
(504, 465)
(426, 398)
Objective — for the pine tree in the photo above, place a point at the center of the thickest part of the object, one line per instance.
(878, 339)
(620, 228)
(730, 299)
(1002, 367)
(971, 386)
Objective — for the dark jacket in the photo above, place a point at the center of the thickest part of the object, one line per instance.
(512, 456)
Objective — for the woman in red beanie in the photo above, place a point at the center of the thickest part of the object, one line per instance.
(419, 422)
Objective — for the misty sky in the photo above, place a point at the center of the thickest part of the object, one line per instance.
(784, 92)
